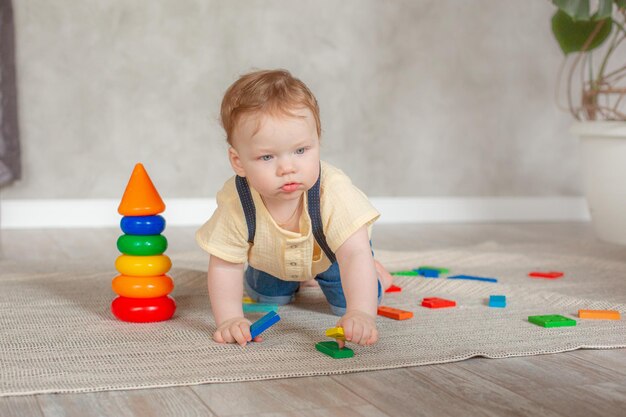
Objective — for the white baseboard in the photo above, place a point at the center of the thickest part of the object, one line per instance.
(30, 214)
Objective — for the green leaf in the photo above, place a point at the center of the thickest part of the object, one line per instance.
(576, 9)
(572, 35)
(621, 4)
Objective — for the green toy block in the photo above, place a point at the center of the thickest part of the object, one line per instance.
(332, 349)
(405, 273)
(553, 320)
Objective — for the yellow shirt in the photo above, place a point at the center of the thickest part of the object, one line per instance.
(282, 253)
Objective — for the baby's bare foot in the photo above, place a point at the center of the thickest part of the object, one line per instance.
(386, 279)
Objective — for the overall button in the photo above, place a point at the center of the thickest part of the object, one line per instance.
(293, 264)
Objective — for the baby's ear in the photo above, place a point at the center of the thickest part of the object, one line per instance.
(235, 162)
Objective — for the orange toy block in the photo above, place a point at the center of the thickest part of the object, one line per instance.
(599, 314)
(140, 197)
(394, 313)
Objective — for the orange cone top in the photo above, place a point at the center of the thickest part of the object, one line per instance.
(140, 197)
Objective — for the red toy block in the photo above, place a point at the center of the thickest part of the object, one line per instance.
(394, 313)
(548, 275)
(393, 288)
(435, 302)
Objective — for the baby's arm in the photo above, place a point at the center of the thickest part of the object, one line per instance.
(360, 286)
(225, 281)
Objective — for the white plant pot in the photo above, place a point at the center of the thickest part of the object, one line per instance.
(603, 146)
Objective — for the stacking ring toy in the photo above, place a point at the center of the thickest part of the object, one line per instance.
(142, 245)
(143, 266)
(142, 287)
(143, 310)
(142, 225)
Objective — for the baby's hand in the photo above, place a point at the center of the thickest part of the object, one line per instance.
(358, 327)
(235, 330)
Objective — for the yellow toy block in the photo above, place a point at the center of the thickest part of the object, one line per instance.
(336, 333)
(248, 300)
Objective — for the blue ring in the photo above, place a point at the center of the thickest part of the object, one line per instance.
(142, 225)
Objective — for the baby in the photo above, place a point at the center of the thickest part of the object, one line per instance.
(291, 217)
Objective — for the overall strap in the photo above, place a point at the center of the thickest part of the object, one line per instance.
(248, 206)
(316, 219)
(249, 210)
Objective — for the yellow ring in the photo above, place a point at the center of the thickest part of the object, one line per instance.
(143, 266)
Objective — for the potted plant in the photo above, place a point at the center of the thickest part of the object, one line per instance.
(594, 77)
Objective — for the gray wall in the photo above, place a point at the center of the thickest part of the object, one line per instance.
(418, 98)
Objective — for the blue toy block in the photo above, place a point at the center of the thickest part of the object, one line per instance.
(259, 308)
(472, 278)
(264, 323)
(427, 273)
(498, 301)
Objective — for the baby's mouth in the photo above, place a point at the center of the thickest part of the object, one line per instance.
(290, 187)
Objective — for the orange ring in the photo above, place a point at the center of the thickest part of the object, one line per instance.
(142, 287)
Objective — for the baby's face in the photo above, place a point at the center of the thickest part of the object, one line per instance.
(279, 155)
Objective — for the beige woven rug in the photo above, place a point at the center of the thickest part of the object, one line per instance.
(57, 334)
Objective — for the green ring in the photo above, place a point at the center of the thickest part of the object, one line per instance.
(142, 245)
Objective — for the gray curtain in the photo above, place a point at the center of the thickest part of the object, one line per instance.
(10, 166)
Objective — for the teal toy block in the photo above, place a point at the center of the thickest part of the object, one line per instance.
(332, 349)
(553, 320)
(264, 323)
(259, 308)
(498, 301)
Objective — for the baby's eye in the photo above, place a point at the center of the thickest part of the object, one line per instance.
(266, 158)
(300, 151)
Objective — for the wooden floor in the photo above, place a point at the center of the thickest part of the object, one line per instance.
(578, 383)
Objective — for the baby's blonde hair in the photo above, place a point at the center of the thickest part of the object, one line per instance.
(273, 92)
